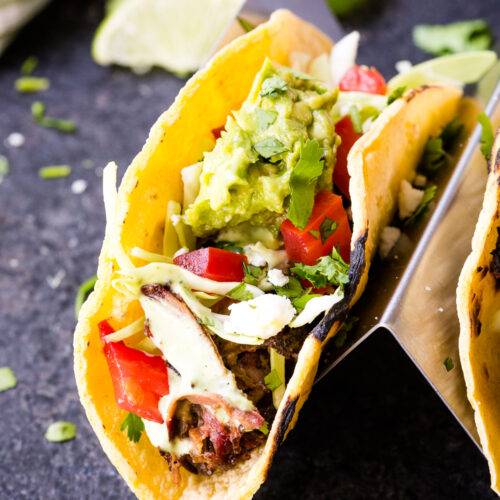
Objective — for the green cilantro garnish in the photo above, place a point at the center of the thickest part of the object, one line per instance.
(272, 380)
(240, 292)
(462, 36)
(329, 270)
(57, 432)
(8, 379)
(451, 132)
(229, 246)
(246, 25)
(265, 118)
(83, 292)
(273, 86)
(134, 426)
(253, 274)
(356, 119)
(27, 84)
(314, 233)
(429, 195)
(206, 321)
(264, 429)
(341, 336)
(301, 302)
(487, 136)
(448, 363)
(269, 147)
(303, 181)
(291, 290)
(327, 228)
(54, 171)
(29, 65)
(396, 94)
(4, 166)
(38, 113)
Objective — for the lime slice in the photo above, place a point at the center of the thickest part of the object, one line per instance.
(466, 67)
(178, 35)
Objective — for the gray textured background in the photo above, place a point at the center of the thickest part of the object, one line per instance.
(371, 429)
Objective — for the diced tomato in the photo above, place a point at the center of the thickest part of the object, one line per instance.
(139, 379)
(213, 263)
(363, 79)
(302, 246)
(345, 129)
(216, 132)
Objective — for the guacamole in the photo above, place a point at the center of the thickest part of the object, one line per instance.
(246, 178)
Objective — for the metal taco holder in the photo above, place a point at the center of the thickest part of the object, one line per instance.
(412, 292)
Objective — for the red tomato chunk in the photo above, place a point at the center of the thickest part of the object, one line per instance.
(302, 246)
(139, 379)
(213, 263)
(363, 79)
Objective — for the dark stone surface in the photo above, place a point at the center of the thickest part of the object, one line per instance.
(372, 428)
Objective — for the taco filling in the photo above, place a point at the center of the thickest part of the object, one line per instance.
(253, 257)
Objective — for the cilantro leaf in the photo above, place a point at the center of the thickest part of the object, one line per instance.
(301, 302)
(291, 290)
(265, 118)
(272, 380)
(327, 228)
(341, 337)
(429, 195)
(84, 291)
(245, 24)
(356, 120)
(134, 426)
(396, 94)
(462, 36)
(264, 429)
(329, 270)
(253, 274)
(240, 292)
(451, 133)
(229, 246)
(269, 147)
(273, 86)
(303, 181)
(448, 363)
(487, 136)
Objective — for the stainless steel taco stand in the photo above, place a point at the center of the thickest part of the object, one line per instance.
(412, 292)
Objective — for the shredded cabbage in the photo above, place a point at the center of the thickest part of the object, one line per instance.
(128, 331)
(315, 307)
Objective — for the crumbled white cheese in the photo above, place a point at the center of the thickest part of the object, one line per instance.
(15, 140)
(440, 309)
(409, 199)
(79, 186)
(13, 263)
(258, 255)
(181, 251)
(277, 278)
(264, 316)
(420, 181)
(427, 288)
(343, 56)
(315, 307)
(403, 66)
(390, 235)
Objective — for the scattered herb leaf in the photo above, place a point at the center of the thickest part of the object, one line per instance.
(269, 147)
(28, 84)
(396, 94)
(264, 429)
(429, 195)
(487, 136)
(300, 302)
(273, 86)
(448, 363)
(134, 426)
(272, 380)
(327, 228)
(240, 292)
(341, 337)
(83, 292)
(303, 181)
(206, 321)
(29, 65)
(229, 246)
(253, 274)
(451, 132)
(329, 270)
(54, 171)
(8, 379)
(38, 113)
(462, 36)
(292, 289)
(57, 432)
(265, 118)
(245, 24)
(4, 166)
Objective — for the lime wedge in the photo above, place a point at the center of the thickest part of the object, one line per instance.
(178, 35)
(466, 67)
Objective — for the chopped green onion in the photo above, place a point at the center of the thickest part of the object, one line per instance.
(448, 363)
(83, 292)
(246, 25)
(396, 94)
(58, 432)
(27, 84)
(272, 380)
(38, 113)
(487, 136)
(4, 166)
(54, 171)
(7, 379)
(29, 65)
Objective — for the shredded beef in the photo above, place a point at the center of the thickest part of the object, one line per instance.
(288, 342)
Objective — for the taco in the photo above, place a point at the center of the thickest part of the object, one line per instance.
(231, 257)
(478, 305)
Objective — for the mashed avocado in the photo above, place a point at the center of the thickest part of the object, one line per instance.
(246, 178)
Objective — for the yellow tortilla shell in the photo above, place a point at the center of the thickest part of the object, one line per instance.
(478, 298)
(388, 153)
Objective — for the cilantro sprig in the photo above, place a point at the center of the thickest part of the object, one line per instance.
(240, 292)
(134, 426)
(429, 195)
(269, 147)
(272, 87)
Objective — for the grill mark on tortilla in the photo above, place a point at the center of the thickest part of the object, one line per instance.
(286, 418)
(495, 259)
(474, 315)
(340, 310)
